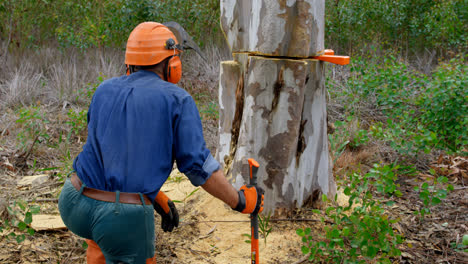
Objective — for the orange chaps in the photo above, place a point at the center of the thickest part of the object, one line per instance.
(94, 254)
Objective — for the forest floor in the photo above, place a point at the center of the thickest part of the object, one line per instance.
(209, 231)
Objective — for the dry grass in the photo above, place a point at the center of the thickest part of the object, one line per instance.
(200, 76)
(52, 76)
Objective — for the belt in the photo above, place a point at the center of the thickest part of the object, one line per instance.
(128, 198)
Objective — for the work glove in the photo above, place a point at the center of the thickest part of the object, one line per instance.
(166, 208)
(250, 200)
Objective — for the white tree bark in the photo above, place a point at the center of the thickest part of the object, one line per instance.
(288, 28)
(282, 126)
(272, 99)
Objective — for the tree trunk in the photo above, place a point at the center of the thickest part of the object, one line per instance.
(272, 99)
(278, 117)
(287, 28)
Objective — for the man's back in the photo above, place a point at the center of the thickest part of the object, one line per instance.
(137, 126)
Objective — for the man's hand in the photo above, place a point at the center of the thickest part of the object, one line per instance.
(166, 208)
(250, 200)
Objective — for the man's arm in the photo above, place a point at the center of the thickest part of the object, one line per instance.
(247, 200)
(218, 186)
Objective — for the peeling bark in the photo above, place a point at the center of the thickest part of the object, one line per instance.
(282, 128)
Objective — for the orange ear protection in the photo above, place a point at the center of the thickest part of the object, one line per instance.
(173, 67)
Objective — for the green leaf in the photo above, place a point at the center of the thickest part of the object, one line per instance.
(324, 198)
(35, 209)
(335, 233)
(84, 245)
(347, 191)
(300, 232)
(22, 226)
(345, 231)
(31, 231)
(20, 238)
(307, 231)
(442, 179)
(305, 250)
(450, 188)
(398, 193)
(22, 205)
(435, 200)
(465, 240)
(28, 218)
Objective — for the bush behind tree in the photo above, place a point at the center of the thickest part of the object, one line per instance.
(402, 25)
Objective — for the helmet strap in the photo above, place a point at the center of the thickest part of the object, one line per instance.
(130, 69)
(166, 70)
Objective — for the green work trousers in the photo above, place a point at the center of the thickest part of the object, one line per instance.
(124, 232)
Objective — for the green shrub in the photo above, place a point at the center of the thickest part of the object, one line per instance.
(33, 128)
(362, 230)
(443, 104)
(78, 122)
(432, 194)
(20, 218)
(423, 111)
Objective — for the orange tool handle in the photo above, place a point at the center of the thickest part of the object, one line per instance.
(329, 56)
(253, 165)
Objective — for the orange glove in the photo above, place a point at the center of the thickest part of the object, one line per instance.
(250, 200)
(166, 208)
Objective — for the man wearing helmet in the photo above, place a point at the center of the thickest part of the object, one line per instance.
(138, 125)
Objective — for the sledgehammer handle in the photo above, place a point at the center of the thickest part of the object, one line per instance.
(254, 217)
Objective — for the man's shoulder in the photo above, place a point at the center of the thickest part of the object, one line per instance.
(114, 82)
(158, 87)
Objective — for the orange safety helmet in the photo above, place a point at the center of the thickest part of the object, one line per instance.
(151, 43)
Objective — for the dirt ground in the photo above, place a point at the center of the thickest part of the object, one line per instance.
(210, 232)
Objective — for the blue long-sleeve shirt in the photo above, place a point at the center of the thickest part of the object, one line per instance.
(137, 126)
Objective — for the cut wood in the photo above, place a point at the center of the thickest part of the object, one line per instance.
(293, 28)
(34, 180)
(47, 222)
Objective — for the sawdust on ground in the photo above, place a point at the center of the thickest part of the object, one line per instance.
(201, 239)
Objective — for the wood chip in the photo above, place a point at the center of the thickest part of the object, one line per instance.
(47, 222)
(34, 180)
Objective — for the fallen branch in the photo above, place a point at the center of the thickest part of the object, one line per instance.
(55, 200)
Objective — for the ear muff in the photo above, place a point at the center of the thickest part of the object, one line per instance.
(173, 69)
